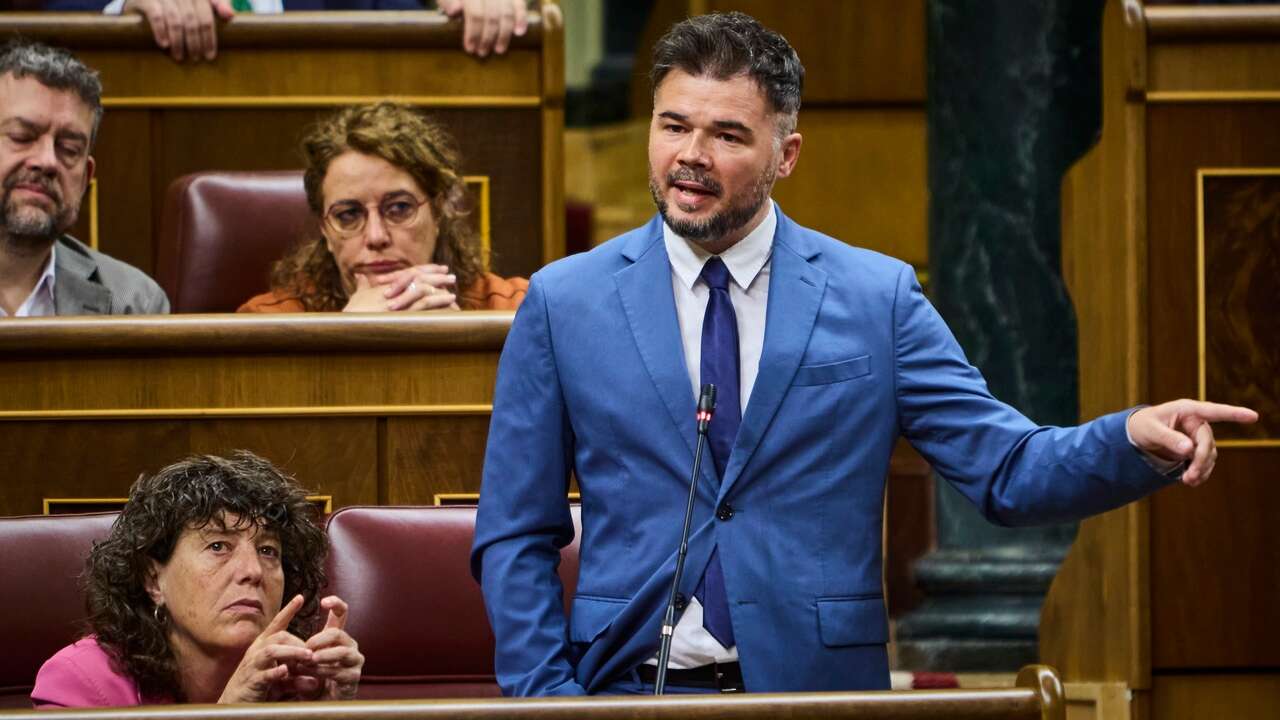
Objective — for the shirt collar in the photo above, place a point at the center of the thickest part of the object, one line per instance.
(48, 278)
(744, 260)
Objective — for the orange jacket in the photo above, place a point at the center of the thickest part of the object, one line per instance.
(488, 292)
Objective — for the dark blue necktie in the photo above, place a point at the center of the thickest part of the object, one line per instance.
(720, 367)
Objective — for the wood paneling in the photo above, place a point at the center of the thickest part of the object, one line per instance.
(871, 51)
(1189, 577)
(431, 455)
(360, 72)
(1215, 567)
(87, 458)
(1162, 594)
(291, 30)
(1214, 68)
(862, 179)
(1097, 701)
(366, 409)
(1239, 697)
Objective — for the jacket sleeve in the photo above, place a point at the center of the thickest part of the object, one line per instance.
(523, 519)
(1015, 472)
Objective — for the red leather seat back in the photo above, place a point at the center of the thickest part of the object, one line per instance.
(415, 609)
(41, 593)
(221, 231)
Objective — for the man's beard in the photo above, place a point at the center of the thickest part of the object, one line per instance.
(740, 211)
(26, 226)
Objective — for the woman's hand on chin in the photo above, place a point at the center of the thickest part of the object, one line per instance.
(269, 667)
(337, 661)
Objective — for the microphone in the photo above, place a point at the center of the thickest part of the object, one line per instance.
(706, 409)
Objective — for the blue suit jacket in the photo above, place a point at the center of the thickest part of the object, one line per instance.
(592, 381)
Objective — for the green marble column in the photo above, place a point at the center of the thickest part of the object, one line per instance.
(1014, 100)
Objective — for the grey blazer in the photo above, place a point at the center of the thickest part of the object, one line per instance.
(88, 282)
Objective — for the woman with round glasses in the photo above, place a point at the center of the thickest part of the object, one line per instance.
(384, 183)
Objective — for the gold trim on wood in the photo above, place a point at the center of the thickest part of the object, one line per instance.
(1212, 96)
(93, 213)
(1201, 329)
(471, 498)
(192, 413)
(48, 503)
(440, 499)
(251, 101)
(481, 185)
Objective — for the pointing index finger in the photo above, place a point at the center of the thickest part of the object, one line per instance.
(1219, 412)
(284, 617)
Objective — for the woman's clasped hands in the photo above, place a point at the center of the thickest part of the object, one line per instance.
(420, 287)
(280, 665)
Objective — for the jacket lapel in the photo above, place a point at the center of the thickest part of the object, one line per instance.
(645, 290)
(796, 288)
(75, 292)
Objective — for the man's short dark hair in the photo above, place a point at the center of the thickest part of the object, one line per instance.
(55, 68)
(725, 45)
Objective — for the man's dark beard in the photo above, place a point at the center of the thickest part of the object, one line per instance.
(722, 223)
(32, 230)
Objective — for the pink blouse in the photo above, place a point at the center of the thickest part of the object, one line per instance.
(83, 675)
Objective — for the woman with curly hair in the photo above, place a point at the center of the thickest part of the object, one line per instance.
(207, 591)
(384, 184)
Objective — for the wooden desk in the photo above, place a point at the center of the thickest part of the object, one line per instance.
(373, 409)
(275, 74)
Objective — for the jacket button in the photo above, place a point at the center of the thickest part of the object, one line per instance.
(724, 512)
(682, 602)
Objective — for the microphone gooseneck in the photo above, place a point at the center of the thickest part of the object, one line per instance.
(706, 410)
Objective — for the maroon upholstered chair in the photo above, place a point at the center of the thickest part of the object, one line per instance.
(41, 597)
(415, 609)
(220, 233)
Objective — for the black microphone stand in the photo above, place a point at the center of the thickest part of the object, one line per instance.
(706, 408)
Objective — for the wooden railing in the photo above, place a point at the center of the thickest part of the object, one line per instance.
(373, 409)
(1038, 696)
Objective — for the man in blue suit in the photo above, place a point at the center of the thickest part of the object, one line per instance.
(824, 354)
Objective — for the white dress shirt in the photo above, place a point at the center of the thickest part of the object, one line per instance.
(40, 302)
(748, 263)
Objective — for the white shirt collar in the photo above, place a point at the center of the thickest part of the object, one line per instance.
(744, 259)
(40, 302)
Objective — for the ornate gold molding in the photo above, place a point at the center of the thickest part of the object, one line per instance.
(1201, 301)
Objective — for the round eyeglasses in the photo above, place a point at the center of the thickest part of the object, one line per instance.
(350, 218)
